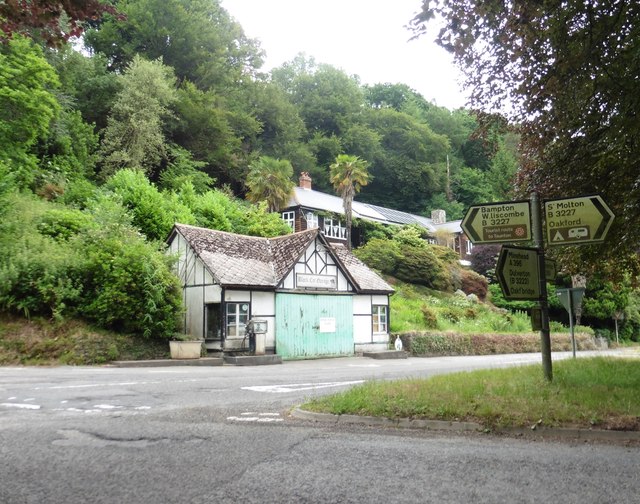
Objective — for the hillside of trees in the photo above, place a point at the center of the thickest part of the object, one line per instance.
(156, 114)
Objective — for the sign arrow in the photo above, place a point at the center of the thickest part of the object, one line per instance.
(506, 222)
(518, 273)
(577, 221)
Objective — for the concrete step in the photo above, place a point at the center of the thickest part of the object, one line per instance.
(386, 354)
(252, 360)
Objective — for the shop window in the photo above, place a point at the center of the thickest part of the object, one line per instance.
(236, 319)
(379, 318)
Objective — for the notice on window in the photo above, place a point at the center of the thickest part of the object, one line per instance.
(327, 324)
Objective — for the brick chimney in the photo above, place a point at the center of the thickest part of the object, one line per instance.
(438, 216)
(305, 180)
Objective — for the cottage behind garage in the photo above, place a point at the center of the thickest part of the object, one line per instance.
(318, 299)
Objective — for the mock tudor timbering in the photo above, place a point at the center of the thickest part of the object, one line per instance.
(317, 298)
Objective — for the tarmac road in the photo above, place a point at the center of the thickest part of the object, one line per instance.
(196, 434)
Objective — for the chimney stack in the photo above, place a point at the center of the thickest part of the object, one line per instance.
(438, 216)
(305, 180)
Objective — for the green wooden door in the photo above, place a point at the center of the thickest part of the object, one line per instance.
(313, 325)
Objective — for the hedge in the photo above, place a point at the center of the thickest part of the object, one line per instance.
(431, 343)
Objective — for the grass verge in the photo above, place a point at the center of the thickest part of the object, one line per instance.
(598, 392)
(40, 342)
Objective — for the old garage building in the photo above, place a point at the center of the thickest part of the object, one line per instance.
(318, 299)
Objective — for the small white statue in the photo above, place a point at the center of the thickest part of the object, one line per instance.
(398, 343)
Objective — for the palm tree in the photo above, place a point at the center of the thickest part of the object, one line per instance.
(348, 175)
(269, 180)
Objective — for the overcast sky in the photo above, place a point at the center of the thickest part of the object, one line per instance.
(367, 38)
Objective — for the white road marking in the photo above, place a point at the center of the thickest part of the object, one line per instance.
(21, 406)
(250, 416)
(298, 387)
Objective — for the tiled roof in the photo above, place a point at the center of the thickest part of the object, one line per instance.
(253, 261)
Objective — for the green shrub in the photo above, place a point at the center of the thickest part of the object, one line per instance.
(130, 287)
(380, 254)
(103, 269)
(419, 265)
(430, 317)
(472, 283)
(62, 223)
(153, 213)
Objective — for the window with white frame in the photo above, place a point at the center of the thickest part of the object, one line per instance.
(312, 220)
(236, 319)
(290, 218)
(379, 318)
(333, 228)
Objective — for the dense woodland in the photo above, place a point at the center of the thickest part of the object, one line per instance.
(156, 114)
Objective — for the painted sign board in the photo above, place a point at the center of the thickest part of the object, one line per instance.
(328, 282)
(327, 324)
(518, 273)
(506, 222)
(576, 221)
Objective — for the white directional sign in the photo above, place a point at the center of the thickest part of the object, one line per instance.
(518, 273)
(506, 222)
(574, 221)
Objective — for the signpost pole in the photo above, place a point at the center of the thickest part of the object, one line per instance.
(545, 333)
(571, 328)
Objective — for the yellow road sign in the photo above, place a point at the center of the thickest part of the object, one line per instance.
(518, 273)
(576, 221)
(506, 222)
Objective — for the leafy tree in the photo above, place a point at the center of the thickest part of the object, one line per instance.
(27, 105)
(502, 173)
(472, 186)
(152, 212)
(134, 136)
(204, 128)
(182, 169)
(86, 82)
(348, 174)
(327, 98)
(281, 127)
(53, 21)
(70, 150)
(218, 210)
(407, 173)
(568, 72)
(269, 180)
(197, 38)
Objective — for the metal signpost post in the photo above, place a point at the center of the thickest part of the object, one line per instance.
(571, 299)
